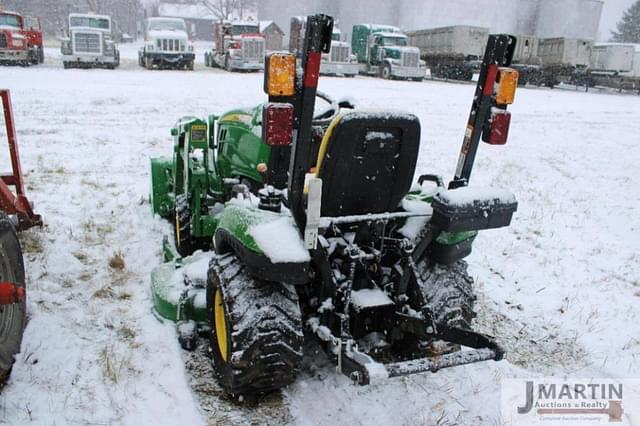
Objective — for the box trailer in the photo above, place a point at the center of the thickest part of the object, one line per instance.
(564, 60)
(451, 52)
(617, 57)
(615, 65)
(459, 39)
(574, 52)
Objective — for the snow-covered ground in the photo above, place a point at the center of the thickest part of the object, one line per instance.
(560, 288)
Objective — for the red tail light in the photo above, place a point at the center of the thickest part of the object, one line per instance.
(277, 124)
(498, 128)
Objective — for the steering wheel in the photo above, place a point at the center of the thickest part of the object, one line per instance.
(325, 117)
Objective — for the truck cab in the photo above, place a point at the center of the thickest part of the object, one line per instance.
(20, 39)
(89, 43)
(166, 45)
(239, 46)
(384, 50)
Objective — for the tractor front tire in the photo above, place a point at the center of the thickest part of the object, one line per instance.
(256, 329)
(182, 226)
(13, 317)
(448, 290)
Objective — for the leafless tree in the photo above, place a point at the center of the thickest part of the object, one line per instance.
(54, 13)
(225, 9)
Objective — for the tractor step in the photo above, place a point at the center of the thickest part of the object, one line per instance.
(178, 289)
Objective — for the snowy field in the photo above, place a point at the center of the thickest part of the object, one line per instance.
(560, 288)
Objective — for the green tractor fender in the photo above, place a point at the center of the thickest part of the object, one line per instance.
(268, 243)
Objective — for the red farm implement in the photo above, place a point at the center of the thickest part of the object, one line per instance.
(15, 204)
(12, 277)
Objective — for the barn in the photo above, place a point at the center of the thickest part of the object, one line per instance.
(273, 35)
(198, 18)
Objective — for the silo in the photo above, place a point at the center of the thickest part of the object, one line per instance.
(366, 12)
(281, 11)
(569, 18)
(497, 15)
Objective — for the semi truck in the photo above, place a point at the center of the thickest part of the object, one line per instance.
(90, 42)
(452, 52)
(384, 51)
(20, 39)
(166, 45)
(239, 46)
(339, 61)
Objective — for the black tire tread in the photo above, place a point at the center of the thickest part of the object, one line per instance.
(266, 329)
(184, 244)
(448, 289)
(10, 340)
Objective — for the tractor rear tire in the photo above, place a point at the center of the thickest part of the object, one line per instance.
(256, 329)
(13, 317)
(448, 290)
(182, 226)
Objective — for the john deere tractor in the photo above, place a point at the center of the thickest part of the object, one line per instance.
(287, 220)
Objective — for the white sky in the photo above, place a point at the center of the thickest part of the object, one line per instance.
(611, 14)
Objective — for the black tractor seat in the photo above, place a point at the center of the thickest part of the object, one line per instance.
(366, 162)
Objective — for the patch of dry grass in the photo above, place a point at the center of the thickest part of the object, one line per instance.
(117, 261)
(105, 292)
(31, 241)
(114, 365)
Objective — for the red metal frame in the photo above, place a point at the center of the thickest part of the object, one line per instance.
(17, 204)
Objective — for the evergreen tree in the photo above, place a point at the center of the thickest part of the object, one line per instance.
(629, 26)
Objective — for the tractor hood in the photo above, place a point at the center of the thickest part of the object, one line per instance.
(249, 117)
(395, 52)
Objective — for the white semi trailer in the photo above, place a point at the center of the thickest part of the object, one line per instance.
(615, 65)
(452, 52)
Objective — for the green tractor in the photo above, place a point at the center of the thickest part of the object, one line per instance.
(288, 220)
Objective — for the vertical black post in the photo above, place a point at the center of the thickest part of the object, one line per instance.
(499, 51)
(317, 41)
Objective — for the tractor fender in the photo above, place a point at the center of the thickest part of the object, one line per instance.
(234, 234)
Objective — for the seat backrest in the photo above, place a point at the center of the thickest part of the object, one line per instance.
(366, 162)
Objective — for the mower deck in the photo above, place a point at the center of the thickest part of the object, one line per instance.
(178, 289)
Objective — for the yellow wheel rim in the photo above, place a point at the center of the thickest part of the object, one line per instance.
(221, 325)
(177, 229)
